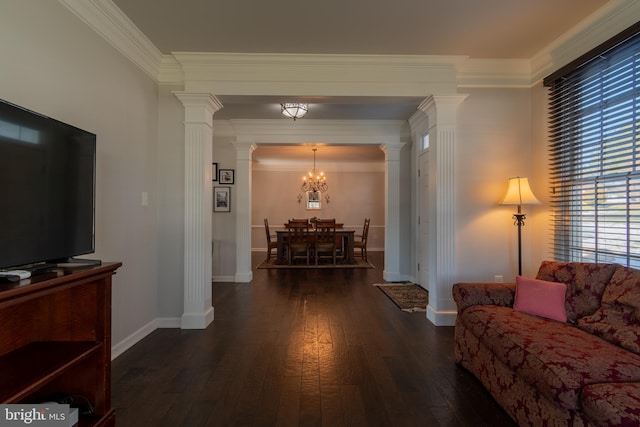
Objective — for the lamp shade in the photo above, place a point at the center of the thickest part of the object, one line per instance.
(519, 193)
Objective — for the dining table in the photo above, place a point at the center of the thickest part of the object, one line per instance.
(347, 236)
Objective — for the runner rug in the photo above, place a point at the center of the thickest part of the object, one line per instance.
(408, 296)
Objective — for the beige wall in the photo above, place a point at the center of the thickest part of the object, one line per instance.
(353, 196)
(224, 223)
(495, 134)
(55, 64)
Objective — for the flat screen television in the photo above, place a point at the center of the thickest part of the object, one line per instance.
(47, 187)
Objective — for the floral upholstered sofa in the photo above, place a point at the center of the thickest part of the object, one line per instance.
(562, 349)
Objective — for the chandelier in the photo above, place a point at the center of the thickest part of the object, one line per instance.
(294, 110)
(314, 181)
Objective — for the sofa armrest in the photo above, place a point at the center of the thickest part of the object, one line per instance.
(612, 404)
(468, 294)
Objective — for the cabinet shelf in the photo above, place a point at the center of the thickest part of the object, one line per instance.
(29, 368)
(55, 337)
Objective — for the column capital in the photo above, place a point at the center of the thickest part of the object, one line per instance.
(244, 149)
(392, 150)
(442, 109)
(199, 107)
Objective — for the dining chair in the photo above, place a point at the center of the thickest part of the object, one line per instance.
(361, 240)
(324, 244)
(297, 221)
(298, 241)
(271, 242)
(300, 220)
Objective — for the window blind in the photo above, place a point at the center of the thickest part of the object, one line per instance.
(595, 158)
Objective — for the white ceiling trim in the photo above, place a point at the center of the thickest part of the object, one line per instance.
(327, 167)
(495, 73)
(323, 75)
(104, 17)
(611, 19)
(338, 132)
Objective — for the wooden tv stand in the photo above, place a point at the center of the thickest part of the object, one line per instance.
(55, 337)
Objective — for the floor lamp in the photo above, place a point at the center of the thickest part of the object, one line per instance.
(519, 193)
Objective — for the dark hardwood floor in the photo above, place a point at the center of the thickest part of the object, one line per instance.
(301, 348)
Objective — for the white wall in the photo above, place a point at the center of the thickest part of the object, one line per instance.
(494, 144)
(54, 64)
(224, 223)
(170, 204)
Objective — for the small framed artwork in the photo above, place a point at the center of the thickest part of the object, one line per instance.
(226, 176)
(214, 171)
(222, 199)
(313, 200)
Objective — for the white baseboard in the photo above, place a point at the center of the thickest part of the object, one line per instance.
(160, 323)
(390, 276)
(168, 323)
(441, 318)
(223, 279)
(131, 340)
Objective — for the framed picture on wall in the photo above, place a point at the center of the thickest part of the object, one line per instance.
(214, 171)
(226, 176)
(222, 199)
(314, 200)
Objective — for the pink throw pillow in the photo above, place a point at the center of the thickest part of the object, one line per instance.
(541, 298)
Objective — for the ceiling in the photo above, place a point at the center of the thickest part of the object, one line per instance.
(320, 107)
(477, 28)
(489, 29)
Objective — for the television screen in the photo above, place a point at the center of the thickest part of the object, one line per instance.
(47, 185)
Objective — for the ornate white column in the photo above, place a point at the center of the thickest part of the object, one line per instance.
(392, 212)
(243, 210)
(442, 113)
(198, 205)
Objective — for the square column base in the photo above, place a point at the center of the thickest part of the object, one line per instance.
(197, 320)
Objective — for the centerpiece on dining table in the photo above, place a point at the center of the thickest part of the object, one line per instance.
(314, 222)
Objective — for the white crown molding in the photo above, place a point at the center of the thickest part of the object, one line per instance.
(106, 19)
(606, 22)
(393, 75)
(611, 19)
(295, 74)
(213, 59)
(170, 71)
(495, 73)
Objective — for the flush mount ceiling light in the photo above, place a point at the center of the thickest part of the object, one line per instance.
(294, 110)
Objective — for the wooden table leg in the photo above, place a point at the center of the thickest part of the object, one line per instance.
(348, 250)
(280, 250)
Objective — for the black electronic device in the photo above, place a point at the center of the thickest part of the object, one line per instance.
(9, 277)
(47, 183)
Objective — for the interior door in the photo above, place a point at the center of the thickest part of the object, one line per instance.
(423, 220)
